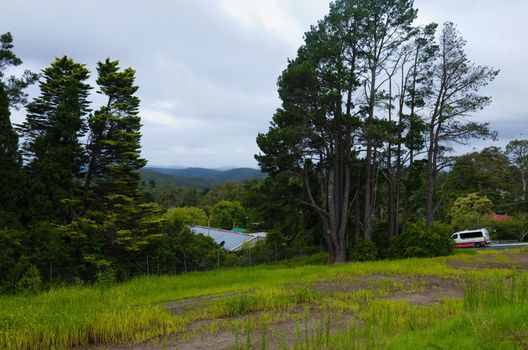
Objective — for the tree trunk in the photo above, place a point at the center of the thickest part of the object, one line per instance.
(431, 173)
(369, 166)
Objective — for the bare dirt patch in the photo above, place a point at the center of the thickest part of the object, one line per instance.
(348, 285)
(291, 325)
(435, 290)
(179, 307)
(419, 290)
(278, 335)
(492, 261)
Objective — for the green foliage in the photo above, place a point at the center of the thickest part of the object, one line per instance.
(11, 96)
(419, 240)
(11, 185)
(121, 227)
(105, 278)
(176, 219)
(170, 197)
(13, 86)
(471, 212)
(284, 293)
(261, 253)
(514, 228)
(31, 281)
(364, 251)
(183, 251)
(52, 140)
(13, 260)
(276, 204)
(227, 215)
(231, 192)
(485, 172)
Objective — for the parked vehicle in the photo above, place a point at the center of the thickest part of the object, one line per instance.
(471, 238)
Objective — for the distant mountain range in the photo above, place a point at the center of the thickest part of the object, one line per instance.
(197, 177)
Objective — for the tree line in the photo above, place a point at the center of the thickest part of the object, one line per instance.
(371, 107)
(360, 160)
(70, 203)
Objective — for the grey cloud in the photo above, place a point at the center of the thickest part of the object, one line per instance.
(208, 83)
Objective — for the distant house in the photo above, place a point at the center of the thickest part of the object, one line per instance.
(232, 241)
(501, 217)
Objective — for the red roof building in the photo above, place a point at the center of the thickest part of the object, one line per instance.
(501, 217)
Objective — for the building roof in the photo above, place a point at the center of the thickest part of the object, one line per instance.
(238, 230)
(258, 234)
(501, 217)
(232, 241)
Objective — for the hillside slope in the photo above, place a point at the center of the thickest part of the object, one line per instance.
(197, 177)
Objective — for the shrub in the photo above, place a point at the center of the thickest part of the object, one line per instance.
(363, 251)
(261, 253)
(471, 212)
(106, 278)
(380, 237)
(227, 215)
(515, 228)
(418, 240)
(176, 219)
(31, 280)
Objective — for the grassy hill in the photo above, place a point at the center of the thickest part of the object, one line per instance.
(473, 300)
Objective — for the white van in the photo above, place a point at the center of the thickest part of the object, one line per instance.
(471, 238)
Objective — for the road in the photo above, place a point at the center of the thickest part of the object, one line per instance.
(506, 246)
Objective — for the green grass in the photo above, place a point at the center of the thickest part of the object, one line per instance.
(257, 298)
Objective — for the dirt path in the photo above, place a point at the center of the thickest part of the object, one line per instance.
(296, 323)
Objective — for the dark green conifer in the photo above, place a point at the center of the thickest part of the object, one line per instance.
(11, 174)
(53, 130)
(124, 226)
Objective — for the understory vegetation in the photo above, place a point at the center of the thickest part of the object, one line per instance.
(357, 162)
(472, 299)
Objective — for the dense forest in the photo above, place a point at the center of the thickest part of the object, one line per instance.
(360, 161)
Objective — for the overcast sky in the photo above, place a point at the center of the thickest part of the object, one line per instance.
(207, 69)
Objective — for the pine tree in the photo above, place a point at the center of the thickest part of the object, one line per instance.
(124, 227)
(53, 130)
(10, 166)
(11, 174)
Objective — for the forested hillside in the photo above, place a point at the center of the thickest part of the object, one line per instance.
(155, 178)
(197, 177)
(221, 176)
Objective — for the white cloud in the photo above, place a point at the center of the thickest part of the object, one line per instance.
(165, 119)
(268, 14)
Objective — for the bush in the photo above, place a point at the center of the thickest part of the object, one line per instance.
(177, 219)
(363, 251)
(227, 215)
(185, 251)
(420, 241)
(380, 236)
(515, 228)
(13, 262)
(105, 278)
(261, 253)
(471, 212)
(31, 281)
